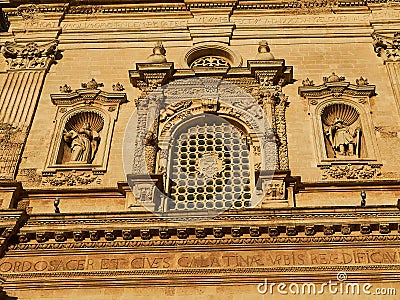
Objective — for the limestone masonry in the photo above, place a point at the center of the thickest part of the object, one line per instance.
(196, 149)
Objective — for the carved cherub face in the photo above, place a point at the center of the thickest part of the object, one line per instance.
(339, 122)
(86, 126)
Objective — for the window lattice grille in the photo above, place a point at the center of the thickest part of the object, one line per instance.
(210, 169)
(210, 61)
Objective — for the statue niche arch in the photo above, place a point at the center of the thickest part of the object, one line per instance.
(342, 131)
(81, 138)
(344, 140)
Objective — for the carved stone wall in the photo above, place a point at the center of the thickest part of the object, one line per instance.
(161, 109)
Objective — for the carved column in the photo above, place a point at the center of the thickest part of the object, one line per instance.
(148, 77)
(27, 68)
(274, 104)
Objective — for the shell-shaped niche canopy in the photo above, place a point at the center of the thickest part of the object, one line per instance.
(348, 114)
(75, 122)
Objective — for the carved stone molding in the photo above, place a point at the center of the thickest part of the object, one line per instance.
(70, 178)
(227, 235)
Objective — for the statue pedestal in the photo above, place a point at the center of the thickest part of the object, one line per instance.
(146, 190)
(275, 189)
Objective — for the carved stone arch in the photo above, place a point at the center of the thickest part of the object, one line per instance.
(210, 164)
(368, 148)
(211, 49)
(251, 127)
(263, 77)
(353, 116)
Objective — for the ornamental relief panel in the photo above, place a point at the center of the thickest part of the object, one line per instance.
(206, 98)
(81, 138)
(344, 134)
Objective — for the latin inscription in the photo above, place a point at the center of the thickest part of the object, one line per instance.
(220, 259)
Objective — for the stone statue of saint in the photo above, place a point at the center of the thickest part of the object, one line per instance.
(83, 143)
(344, 143)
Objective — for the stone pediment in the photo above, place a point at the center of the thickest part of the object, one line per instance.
(336, 87)
(86, 96)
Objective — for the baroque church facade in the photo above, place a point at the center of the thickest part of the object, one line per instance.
(198, 149)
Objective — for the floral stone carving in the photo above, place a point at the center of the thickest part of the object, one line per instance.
(349, 171)
(30, 56)
(72, 178)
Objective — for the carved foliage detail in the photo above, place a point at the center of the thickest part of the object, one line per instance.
(350, 171)
(30, 56)
(71, 178)
(387, 47)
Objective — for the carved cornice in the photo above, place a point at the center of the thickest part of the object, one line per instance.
(59, 240)
(30, 56)
(87, 96)
(10, 222)
(28, 11)
(336, 86)
(126, 9)
(129, 229)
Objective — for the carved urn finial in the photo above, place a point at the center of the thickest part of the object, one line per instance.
(333, 78)
(158, 55)
(362, 81)
(92, 84)
(264, 52)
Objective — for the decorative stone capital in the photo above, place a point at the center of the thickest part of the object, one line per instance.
(30, 56)
(387, 47)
